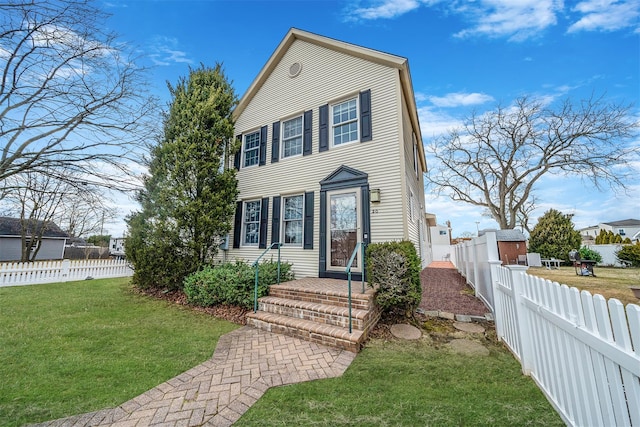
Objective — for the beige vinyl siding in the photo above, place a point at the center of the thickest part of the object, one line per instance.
(414, 182)
(327, 76)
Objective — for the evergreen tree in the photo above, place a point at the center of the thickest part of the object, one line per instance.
(554, 236)
(188, 197)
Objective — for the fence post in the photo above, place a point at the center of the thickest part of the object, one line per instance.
(64, 272)
(522, 317)
(497, 306)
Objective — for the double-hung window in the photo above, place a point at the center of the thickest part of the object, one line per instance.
(292, 219)
(292, 137)
(251, 149)
(251, 223)
(345, 121)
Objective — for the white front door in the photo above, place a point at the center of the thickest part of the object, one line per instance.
(344, 225)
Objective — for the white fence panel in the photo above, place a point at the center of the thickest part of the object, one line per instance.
(608, 253)
(30, 273)
(475, 260)
(583, 352)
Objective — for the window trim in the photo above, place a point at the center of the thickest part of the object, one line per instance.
(332, 125)
(416, 166)
(244, 149)
(412, 213)
(243, 238)
(283, 220)
(301, 136)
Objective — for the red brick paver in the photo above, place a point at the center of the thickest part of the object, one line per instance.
(245, 364)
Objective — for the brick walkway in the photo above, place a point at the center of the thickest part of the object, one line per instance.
(245, 364)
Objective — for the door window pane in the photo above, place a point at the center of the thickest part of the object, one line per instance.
(343, 228)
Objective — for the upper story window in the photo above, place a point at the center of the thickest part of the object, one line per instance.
(251, 223)
(251, 149)
(345, 121)
(621, 232)
(293, 219)
(292, 137)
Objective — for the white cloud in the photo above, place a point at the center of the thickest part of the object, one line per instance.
(386, 9)
(164, 51)
(518, 20)
(458, 99)
(606, 15)
(435, 123)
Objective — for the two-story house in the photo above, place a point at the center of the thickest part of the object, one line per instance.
(331, 155)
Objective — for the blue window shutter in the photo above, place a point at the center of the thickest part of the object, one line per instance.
(306, 135)
(365, 115)
(263, 145)
(308, 220)
(238, 155)
(275, 142)
(237, 225)
(324, 128)
(264, 213)
(275, 220)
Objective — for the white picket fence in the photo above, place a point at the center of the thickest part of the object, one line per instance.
(583, 352)
(31, 273)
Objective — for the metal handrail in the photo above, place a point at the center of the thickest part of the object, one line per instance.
(348, 270)
(255, 264)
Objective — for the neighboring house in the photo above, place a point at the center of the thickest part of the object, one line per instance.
(625, 228)
(51, 246)
(116, 247)
(331, 155)
(439, 239)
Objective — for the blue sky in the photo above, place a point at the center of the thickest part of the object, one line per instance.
(464, 56)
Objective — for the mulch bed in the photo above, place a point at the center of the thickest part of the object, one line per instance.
(231, 313)
(444, 289)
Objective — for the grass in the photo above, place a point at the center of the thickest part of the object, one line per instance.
(72, 348)
(609, 282)
(411, 383)
(77, 347)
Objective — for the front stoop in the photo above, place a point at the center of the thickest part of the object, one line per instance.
(317, 310)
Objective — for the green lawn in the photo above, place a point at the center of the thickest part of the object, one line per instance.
(77, 347)
(405, 383)
(609, 282)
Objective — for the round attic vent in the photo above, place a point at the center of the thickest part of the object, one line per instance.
(295, 69)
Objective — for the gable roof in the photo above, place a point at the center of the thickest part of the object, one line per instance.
(13, 227)
(506, 235)
(392, 61)
(624, 223)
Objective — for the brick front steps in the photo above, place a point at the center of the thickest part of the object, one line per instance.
(317, 310)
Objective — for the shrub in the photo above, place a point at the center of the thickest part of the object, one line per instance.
(588, 253)
(554, 236)
(394, 267)
(630, 253)
(233, 284)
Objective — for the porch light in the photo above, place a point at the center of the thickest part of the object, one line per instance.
(375, 195)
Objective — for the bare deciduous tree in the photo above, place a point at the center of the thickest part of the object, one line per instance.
(496, 159)
(40, 200)
(71, 95)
